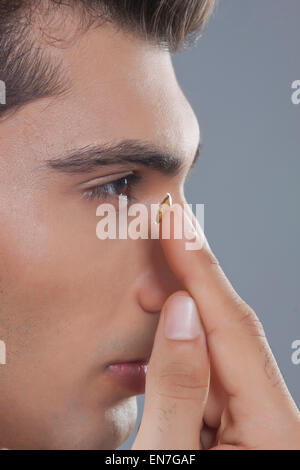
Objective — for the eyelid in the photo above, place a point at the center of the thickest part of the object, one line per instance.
(102, 180)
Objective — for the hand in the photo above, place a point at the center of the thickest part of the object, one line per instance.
(229, 385)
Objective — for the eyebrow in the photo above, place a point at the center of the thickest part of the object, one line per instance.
(87, 159)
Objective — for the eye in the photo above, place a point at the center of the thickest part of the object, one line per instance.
(121, 186)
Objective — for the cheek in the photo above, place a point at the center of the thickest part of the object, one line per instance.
(55, 281)
(58, 308)
(58, 281)
(58, 303)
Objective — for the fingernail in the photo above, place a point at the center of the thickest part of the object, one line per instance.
(181, 319)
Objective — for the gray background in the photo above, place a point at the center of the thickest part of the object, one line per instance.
(238, 80)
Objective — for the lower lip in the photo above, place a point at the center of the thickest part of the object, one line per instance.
(131, 375)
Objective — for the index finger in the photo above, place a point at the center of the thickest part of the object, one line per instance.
(237, 344)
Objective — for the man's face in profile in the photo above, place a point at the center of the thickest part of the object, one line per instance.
(70, 303)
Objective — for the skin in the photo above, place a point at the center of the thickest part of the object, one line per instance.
(61, 319)
(225, 382)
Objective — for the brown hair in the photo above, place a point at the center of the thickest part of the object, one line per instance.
(29, 73)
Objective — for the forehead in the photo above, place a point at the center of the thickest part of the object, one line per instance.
(121, 87)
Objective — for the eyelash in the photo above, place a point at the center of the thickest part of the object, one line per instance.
(112, 189)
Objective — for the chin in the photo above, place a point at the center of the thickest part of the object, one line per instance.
(121, 421)
(114, 427)
(76, 429)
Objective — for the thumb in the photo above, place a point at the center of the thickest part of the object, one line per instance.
(177, 379)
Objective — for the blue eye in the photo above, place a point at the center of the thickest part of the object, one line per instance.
(122, 186)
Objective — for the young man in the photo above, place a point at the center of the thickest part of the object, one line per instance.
(93, 110)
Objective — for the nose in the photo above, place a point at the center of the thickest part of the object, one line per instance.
(157, 282)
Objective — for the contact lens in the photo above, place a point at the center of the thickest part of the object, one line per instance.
(164, 205)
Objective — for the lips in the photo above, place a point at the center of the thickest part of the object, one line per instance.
(130, 374)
